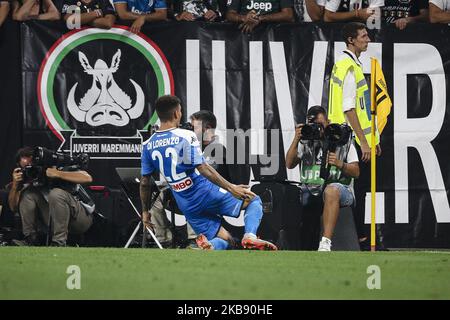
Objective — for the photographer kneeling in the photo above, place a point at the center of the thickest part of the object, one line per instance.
(309, 149)
(40, 190)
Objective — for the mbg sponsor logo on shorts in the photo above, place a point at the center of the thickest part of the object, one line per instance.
(182, 185)
(263, 6)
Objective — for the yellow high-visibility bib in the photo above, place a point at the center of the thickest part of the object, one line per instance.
(362, 103)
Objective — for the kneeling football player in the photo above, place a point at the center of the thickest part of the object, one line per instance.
(202, 194)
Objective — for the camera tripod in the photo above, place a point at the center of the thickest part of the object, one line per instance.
(146, 229)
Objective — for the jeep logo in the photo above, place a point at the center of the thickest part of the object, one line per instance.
(264, 6)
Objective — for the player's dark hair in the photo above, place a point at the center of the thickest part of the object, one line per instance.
(207, 118)
(316, 110)
(165, 106)
(350, 30)
(23, 152)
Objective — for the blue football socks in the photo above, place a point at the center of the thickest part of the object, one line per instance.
(252, 215)
(219, 244)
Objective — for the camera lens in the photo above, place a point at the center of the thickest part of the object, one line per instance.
(311, 131)
(307, 130)
(337, 133)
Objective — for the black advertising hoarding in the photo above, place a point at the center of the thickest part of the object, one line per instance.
(92, 90)
(10, 97)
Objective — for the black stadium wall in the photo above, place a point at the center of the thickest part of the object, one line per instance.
(93, 91)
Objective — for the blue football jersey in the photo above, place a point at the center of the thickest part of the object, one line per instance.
(175, 153)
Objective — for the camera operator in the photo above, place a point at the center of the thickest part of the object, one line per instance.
(204, 123)
(56, 194)
(8, 217)
(336, 190)
(23, 158)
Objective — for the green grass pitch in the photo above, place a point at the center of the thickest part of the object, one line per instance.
(40, 273)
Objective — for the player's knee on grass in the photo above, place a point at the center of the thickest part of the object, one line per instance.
(219, 244)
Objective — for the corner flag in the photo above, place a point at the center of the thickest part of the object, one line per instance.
(383, 103)
(380, 108)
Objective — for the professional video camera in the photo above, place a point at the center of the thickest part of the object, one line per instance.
(312, 130)
(31, 173)
(44, 158)
(335, 135)
(48, 158)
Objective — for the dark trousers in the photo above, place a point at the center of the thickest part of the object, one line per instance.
(67, 213)
(361, 186)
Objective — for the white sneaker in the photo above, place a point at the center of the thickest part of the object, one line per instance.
(325, 244)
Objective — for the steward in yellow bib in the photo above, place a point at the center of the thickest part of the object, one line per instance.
(362, 101)
(349, 95)
(349, 101)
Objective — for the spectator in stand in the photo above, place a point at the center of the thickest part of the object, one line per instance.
(439, 11)
(351, 10)
(404, 12)
(198, 10)
(4, 10)
(23, 10)
(250, 13)
(309, 10)
(141, 11)
(96, 13)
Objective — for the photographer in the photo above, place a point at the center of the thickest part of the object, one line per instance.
(204, 123)
(343, 166)
(24, 157)
(53, 192)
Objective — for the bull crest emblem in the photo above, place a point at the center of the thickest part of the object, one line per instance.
(105, 102)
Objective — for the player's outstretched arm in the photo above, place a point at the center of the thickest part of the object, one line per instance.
(240, 192)
(145, 192)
